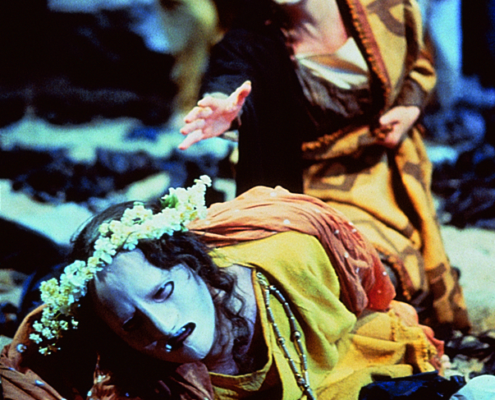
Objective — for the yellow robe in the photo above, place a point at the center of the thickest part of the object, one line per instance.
(343, 354)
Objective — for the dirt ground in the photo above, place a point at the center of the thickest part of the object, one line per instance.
(472, 250)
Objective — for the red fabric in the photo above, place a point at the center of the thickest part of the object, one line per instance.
(261, 212)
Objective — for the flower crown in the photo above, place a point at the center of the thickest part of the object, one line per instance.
(180, 207)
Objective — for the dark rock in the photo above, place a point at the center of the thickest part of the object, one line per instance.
(25, 250)
(70, 68)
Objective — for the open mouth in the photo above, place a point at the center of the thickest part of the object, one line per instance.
(176, 341)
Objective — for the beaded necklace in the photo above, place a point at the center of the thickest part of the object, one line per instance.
(302, 377)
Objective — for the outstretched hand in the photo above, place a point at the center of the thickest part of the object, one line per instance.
(396, 122)
(213, 116)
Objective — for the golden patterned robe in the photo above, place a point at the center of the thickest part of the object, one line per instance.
(386, 192)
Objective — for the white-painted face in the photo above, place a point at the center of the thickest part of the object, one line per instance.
(167, 314)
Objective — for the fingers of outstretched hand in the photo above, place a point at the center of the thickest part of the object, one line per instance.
(244, 90)
(240, 94)
(198, 113)
(196, 124)
(193, 137)
(212, 116)
(211, 102)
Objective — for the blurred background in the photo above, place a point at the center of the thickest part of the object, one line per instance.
(93, 92)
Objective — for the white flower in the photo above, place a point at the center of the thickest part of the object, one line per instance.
(104, 229)
(64, 325)
(36, 338)
(93, 265)
(130, 243)
(49, 291)
(205, 179)
(37, 326)
(103, 256)
(47, 332)
(72, 278)
(136, 214)
(105, 245)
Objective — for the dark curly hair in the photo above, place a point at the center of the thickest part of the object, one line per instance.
(167, 252)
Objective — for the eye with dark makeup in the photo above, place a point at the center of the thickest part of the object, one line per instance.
(164, 292)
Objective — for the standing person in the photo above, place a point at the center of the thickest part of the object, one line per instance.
(272, 296)
(326, 95)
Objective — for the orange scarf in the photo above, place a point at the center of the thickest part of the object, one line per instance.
(262, 211)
